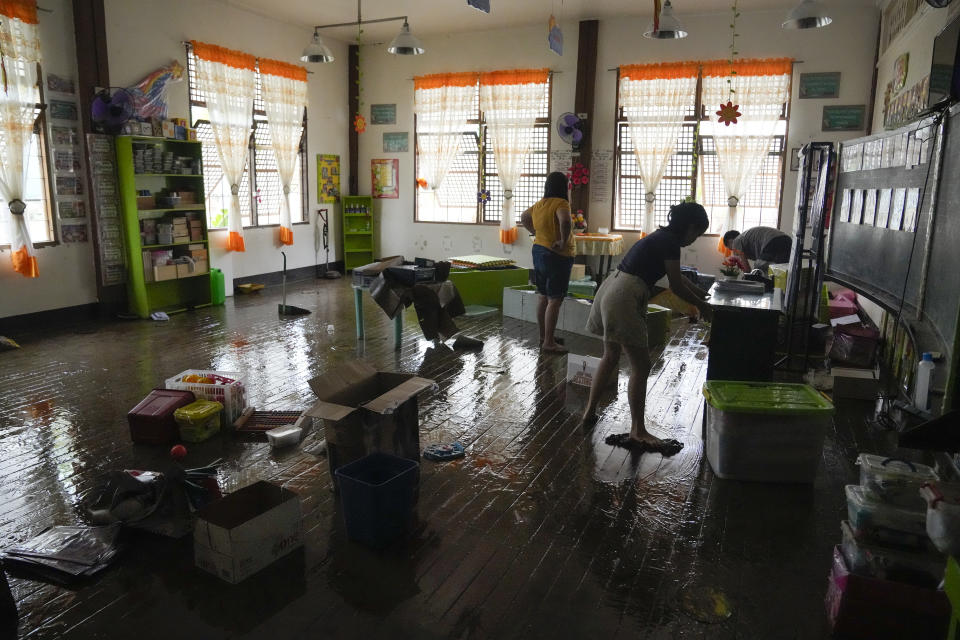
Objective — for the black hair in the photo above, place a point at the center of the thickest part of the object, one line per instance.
(555, 186)
(688, 214)
(729, 237)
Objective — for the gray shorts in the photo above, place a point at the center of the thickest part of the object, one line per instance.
(619, 311)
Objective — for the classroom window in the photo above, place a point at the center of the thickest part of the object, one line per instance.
(475, 168)
(260, 190)
(693, 172)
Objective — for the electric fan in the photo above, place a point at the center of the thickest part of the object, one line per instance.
(110, 109)
(570, 128)
(938, 4)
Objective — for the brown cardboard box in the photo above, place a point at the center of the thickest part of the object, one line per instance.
(365, 410)
(248, 530)
(184, 270)
(200, 266)
(198, 254)
(165, 272)
(146, 202)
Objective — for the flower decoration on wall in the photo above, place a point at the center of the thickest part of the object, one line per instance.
(359, 123)
(578, 175)
(483, 196)
(728, 114)
(422, 183)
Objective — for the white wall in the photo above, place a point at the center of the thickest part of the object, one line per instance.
(67, 274)
(917, 40)
(144, 34)
(847, 46)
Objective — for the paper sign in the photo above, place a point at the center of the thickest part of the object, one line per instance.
(819, 85)
(396, 142)
(383, 114)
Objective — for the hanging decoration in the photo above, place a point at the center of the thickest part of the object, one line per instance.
(554, 36)
(483, 196)
(728, 112)
(656, 15)
(359, 123)
(422, 183)
(578, 175)
(150, 94)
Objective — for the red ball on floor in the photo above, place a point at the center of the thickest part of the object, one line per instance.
(178, 451)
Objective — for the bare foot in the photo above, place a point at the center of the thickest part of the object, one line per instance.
(588, 420)
(553, 348)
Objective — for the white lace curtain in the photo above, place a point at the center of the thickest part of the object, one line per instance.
(19, 96)
(443, 104)
(510, 102)
(226, 79)
(655, 99)
(760, 88)
(284, 90)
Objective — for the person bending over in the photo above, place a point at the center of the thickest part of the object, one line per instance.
(765, 245)
(619, 314)
(550, 222)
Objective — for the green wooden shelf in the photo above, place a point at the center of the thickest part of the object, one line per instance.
(357, 251)
(172, 295)
(356, 215)
(173, 244)
(356, 233)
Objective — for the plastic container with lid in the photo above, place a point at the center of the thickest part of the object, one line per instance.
(866, 513)
(199, 420)
(894, 480)
(152, 420)
(869, 558)
(285, 436)
(765, 431)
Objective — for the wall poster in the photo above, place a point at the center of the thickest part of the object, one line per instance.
(385, 175)
(328, 178)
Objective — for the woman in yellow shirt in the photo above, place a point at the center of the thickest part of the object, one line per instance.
(550, 222)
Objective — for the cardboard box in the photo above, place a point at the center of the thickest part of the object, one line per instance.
(146, 202)
(200, 266)
(365, 410)
(581, 369)
(198, 254)
(184, 270)
(578, 272)
(147, 266)
(246, 531)
(168, 129)
(165, 272)
(849, 382)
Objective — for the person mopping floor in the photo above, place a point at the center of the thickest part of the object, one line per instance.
(619, 314)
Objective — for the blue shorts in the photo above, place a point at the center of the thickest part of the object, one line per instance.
(551, 272)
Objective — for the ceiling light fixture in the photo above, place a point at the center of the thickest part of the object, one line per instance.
(406, 44)
(317, 51)
(807, 15)
(670, 27)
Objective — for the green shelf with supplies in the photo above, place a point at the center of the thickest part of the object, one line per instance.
(163, 219)
(358, 229)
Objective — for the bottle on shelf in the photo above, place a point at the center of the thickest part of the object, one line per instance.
(921, 388)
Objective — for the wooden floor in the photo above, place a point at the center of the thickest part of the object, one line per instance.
(541, 531)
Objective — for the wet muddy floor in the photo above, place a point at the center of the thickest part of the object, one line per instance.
(542, 531)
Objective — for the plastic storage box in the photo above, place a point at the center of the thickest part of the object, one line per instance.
(765, 431)
(894, 480)
(378, 494)
(199, 421)
(232, 395)
(152, 421)
(866, 513)
(914, 566)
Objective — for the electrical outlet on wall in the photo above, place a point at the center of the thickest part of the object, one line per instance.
(446, 243)
(477, 243)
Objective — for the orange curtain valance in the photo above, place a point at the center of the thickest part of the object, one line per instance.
(229, 57)
(661, 71)
(750, 67)
(22, 10)
(515, 76)
(437, 80)
(282, 69)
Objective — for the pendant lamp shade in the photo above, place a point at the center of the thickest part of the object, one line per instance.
(670, 27)
(807, 15)
(317, 51)
(406, 44)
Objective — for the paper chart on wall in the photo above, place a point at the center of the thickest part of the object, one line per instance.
(561, 160)
(600, 185)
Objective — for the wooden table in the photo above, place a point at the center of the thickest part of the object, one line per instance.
(605, 245)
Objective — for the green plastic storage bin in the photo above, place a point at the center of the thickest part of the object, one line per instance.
(218, 290)
(765, 431)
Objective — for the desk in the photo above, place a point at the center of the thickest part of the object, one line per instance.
(605, 245)
(743, 336)
(358, 309)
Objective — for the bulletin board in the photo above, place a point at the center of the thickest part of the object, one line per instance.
(328, 178)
